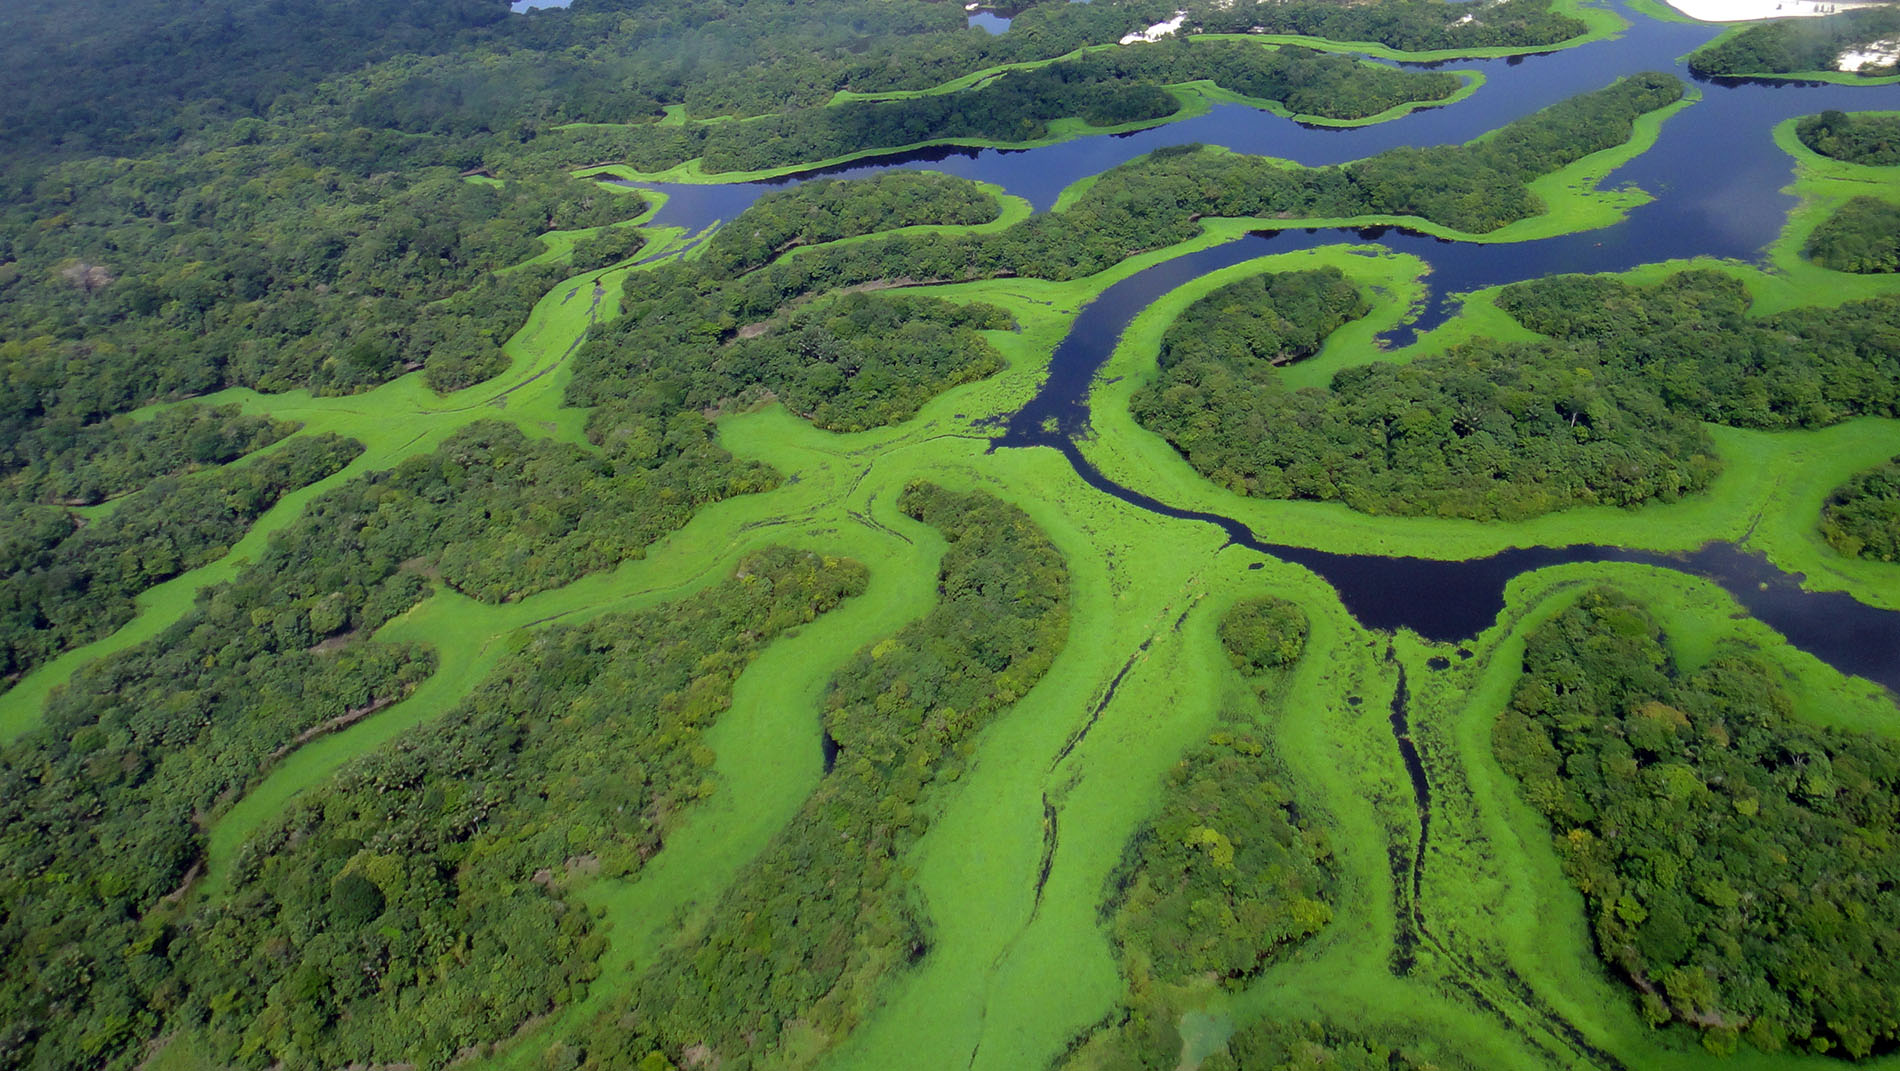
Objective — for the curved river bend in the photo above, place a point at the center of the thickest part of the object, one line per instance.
(1716, 176)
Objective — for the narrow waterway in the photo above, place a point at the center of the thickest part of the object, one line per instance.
(1716, 177)
(1440, 600)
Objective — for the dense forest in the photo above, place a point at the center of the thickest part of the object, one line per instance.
(1862, 236)
(1103, 88)
(64, 583)
(1606, 413)
(1486, 431)
(70, 464)
(816, 926)
(826, 210)
(1804, 368)
(1794, 46)
(1871, 138)
(111, 77)
(140, 746)
(1736, 859)
(1862, 517)
(138, 281)
(450, 860)
(328, 198)
(1227, 876)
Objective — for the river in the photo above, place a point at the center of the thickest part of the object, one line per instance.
(1716, 176)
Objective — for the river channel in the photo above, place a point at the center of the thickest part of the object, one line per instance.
(1715, 175)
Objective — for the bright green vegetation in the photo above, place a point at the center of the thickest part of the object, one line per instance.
(1798, 46)
(1107, 88)
(1734, 857)
(806, 936)
(449, 860)
(1863, 236)
(1862, 516)
(1870, 138)
(1227, 872)
(63, 583)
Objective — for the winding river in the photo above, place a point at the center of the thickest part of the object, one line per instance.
(1716, 177)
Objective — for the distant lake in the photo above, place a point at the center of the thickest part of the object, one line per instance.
(522, 7)
(989, 20)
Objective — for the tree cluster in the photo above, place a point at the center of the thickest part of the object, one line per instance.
(1862, 516)
(1862, 236)
(388, 916)
(1737, 861)
(827, 210)
(1488, 431)
(1690, 339)
(1870, 138)
(1103, 88)
(67, 464)
(266, 265)
(846, 363)
(63, 584)
(1795, 46)
(811, 930)
(104, 809)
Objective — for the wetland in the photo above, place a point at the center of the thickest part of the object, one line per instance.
(790, 630)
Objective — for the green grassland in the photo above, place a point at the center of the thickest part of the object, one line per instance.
(1021, 971)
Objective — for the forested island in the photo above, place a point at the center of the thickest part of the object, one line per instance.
(742, 536)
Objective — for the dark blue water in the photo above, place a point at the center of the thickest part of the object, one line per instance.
(1440, 600)
(1715, 174)
(989, 21)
